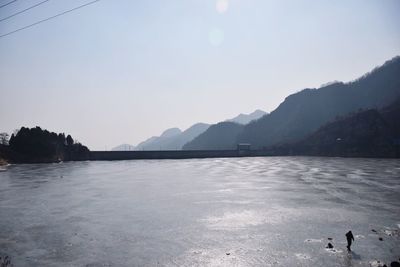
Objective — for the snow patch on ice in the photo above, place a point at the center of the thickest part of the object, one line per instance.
(311, 240)
(376, 263)
(302, 256)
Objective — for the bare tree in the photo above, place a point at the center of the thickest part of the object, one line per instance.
(4, 139)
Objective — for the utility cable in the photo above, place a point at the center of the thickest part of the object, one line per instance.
(49, 18)
(22, 11)
(8, 3)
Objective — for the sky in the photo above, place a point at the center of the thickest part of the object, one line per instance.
(120, 71)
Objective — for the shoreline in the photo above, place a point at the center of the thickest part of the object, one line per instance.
(180, 154)
(3, 162)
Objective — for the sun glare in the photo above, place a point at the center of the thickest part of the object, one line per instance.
(222, 6)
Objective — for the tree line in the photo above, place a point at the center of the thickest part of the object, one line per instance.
(40, 145)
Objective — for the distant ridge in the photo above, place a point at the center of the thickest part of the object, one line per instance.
(175, 139)
(246, 118)
(177, 142)
(172, 139)
(158, 142)
(220, 136)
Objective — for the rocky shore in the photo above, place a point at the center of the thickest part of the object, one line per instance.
(3, 162)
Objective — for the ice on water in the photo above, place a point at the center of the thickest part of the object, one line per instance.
(278, 211)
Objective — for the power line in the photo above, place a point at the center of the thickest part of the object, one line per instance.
(8, 3)
(22, 11)
(49, 18)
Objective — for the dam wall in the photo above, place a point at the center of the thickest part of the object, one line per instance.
(174, 154)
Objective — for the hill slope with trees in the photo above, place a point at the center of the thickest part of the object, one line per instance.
(367, 133)
(304, 112)
(30, 145)
(219, 136)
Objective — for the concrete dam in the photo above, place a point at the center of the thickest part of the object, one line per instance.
(174, 154)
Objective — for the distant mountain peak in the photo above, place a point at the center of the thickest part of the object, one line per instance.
(331, 83)
(246, 118)
(171, 132)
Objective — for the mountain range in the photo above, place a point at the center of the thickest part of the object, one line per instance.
(303, 113)
(175, 139)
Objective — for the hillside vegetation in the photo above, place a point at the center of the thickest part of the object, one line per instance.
(302, 113)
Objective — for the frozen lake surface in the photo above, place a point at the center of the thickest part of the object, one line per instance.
(277, 211)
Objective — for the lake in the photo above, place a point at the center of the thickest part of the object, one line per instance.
(274, 211)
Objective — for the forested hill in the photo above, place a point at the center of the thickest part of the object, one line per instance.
(367, 133)
(31, 145)
(219, 136)
(304, 112)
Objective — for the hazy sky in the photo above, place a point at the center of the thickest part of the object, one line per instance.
(120, 71)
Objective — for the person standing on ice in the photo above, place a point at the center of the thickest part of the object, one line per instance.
(350, 238)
